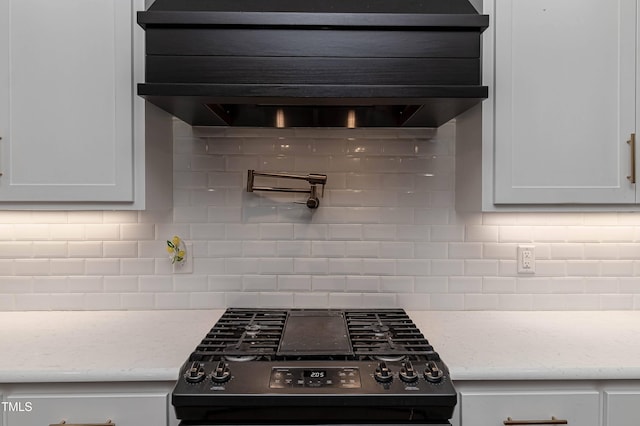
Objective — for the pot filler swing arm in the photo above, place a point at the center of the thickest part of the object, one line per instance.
(314, 180)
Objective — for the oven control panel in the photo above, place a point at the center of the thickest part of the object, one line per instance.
(311, 377)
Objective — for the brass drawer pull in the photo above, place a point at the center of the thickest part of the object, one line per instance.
(64, 422)
(553, 421)
(632, 144)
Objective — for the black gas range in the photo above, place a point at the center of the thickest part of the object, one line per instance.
(314, 366)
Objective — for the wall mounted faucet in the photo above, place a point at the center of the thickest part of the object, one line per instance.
(314, 180)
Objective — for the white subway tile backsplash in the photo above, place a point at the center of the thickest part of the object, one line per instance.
(67, 267)
(386, 234)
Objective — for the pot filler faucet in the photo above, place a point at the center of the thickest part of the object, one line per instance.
(314, 180)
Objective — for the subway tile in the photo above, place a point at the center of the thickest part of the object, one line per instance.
(311, 300)
(413, 267)
(172, 301)
(86, 285)
(137, 266)
(447, 233)
(346, 300)
(328, 283)
(120, 249)
(414, 301)
(446, 302)
(207, 301)
(481, 233)
(68, 267)
(294, 283)
(190, 283)
(617, 268)
(615, 302)
(276, 266)
(137, 301)
(101, 302)
(501, 285)
(259, 283)
(447, 267)
(16, 249)
(275, 300)
(345, 231)
(362, 249)
(515, 302)
(85, 249)
(465, 285)
(379, 300)
(465, 250)
(396, 284)
(479, 267)
(137, 231)
(432, 250)
(224, 214)
(363, 284)
(378, 267)
(328, 248)
(481, 302)
(276, 231)
(428, 284)
(121, 284)
(221, 283)
(152, 284)
(32, 267)
(242, 300)
(345, 266)
(27, 232)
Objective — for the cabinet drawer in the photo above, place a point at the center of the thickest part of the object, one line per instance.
(133, 409)
(579, 408)
(622, 408)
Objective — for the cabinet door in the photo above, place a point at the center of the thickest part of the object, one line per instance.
(122, 409)
(564, 103)
(579, 408)
(622, 408)
(66, 100)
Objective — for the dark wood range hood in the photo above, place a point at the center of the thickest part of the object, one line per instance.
(301, 63)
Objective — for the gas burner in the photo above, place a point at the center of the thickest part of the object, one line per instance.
(380, 330)
(240, 358)
(253, 329)
(390, 358)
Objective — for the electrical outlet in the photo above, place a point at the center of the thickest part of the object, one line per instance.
(526, 260)
(186, 266)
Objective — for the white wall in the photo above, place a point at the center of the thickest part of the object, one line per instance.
(386, 234)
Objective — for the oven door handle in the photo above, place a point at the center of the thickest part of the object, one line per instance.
(553, 421)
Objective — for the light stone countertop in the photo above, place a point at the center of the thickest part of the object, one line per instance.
(114, 346)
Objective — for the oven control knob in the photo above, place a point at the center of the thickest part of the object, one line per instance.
(221, 373)
(408, 373)
(195, 373)
(382, 373)
(433, 374)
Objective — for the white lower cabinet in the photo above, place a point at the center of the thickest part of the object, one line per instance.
(121, 409)
(531, 404)
(622, 407)
(122, 404)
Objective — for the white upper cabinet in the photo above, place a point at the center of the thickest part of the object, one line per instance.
(66, 101)
(562, 105)
(564, 100)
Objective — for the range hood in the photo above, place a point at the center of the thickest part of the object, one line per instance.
(303, 63)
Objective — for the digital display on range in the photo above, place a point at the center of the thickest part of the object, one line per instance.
(297, 377)
(315, 374)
